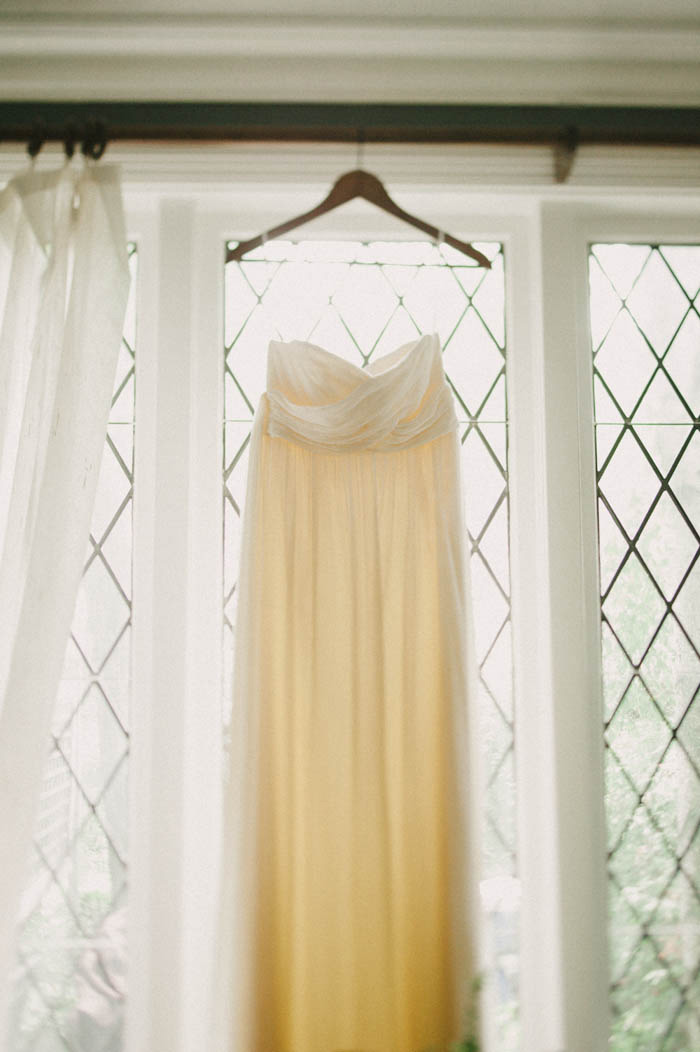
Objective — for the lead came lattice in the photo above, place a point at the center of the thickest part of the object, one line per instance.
(646, 355)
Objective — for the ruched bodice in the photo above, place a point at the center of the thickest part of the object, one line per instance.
(318, 399)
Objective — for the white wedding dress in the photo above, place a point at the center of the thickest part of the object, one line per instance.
(348, 912)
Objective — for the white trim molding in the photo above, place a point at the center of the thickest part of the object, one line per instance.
(591, 62)
(309, 169)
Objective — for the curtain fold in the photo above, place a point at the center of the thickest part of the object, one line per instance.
(64, 286)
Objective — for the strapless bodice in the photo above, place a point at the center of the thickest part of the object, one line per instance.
(324, 402)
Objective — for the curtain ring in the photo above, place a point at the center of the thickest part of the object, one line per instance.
(69, 138)
(95, 139)
(37, 138)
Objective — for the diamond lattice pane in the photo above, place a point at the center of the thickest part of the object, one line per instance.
(364, 299)
(627, 473)
(646, 384)
(633, 607)
(69, 983)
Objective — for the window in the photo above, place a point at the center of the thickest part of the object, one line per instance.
(575, 369)
(646, 376)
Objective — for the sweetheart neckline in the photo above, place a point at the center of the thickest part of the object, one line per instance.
(365, 372)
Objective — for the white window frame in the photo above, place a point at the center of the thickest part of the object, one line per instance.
(180, 229)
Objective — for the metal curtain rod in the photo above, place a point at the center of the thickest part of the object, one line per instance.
(563, 128)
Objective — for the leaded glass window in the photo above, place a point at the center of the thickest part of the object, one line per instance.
(69, 984)
(360, 300)
(646, 378)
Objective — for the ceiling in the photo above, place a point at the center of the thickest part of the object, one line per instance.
(631, 12)
(555, 52)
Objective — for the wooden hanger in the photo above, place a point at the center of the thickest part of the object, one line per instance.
(357, 183)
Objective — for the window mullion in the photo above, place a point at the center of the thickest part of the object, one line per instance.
(574, 637)
(203, 712)
(541, 997)
(161, 582)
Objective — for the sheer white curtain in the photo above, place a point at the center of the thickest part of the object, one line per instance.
(64, 284)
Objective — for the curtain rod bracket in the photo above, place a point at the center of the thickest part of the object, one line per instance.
(565, 149)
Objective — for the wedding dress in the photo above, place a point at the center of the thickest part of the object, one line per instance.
(348, 911)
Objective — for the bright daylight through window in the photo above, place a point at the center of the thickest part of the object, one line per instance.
(646, 376)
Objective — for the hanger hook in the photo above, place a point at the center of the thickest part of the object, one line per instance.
(360, 146)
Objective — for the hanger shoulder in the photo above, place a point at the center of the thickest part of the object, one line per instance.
(344, 189)
(244, 247)
(374, 191)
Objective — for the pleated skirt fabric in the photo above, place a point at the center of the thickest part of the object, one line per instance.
(349, 909)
